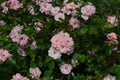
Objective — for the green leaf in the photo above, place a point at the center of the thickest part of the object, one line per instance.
(84, 30)
(48, 73)
(51, 65)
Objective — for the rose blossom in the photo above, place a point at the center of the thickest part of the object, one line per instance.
(112, 36)
(85, 17)
(4, 7)
(88, 10)
(55, 10)
(23, 39)
(35, 72)
(65, 68)
(109, 77)
(54, 53)
(14, 4)
(18, 28)
(15, 36)
(59, 16)
(18, 76)
(45, 8)
(4, 55)
(62, 42)
(75, 23)
(113, 20)
(65, 10)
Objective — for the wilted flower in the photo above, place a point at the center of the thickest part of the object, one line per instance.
(21, 51)
(52, 52)
(65, 68)
(35, 72)
(113, 20)
(33, 45)
(31, 9)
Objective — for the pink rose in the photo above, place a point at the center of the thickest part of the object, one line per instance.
(4, 55)
(88, 10)
(23, 39)
(35, 72)
(112, 36)
(75, 23)
(18, 76)
(65, 68)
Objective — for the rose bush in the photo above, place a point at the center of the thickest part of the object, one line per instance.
(59, 40)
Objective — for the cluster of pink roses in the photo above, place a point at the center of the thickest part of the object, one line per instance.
(34, 73)
(114, 21)
(63, 42)
(4, 55)
(59, 13)
(16, 35)
(11, 4)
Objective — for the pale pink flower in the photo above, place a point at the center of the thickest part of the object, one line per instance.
(45, 8)
(35, 72)
(52, 52)
(4, 7)
(59, 16)
(112, 36)
(55, 10)
(15, 36)
(65, 68)
(85, 17)
(75, 23)
(23, 39)
(109, 77)
(21, 51)
(113, 20)
(65, 10)
(74, 13)
(62, 42)
(18, 28)
(71, 6)
(88, 10)
(4, 55)
(18, 76)
(14, 4)
(2, 23)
